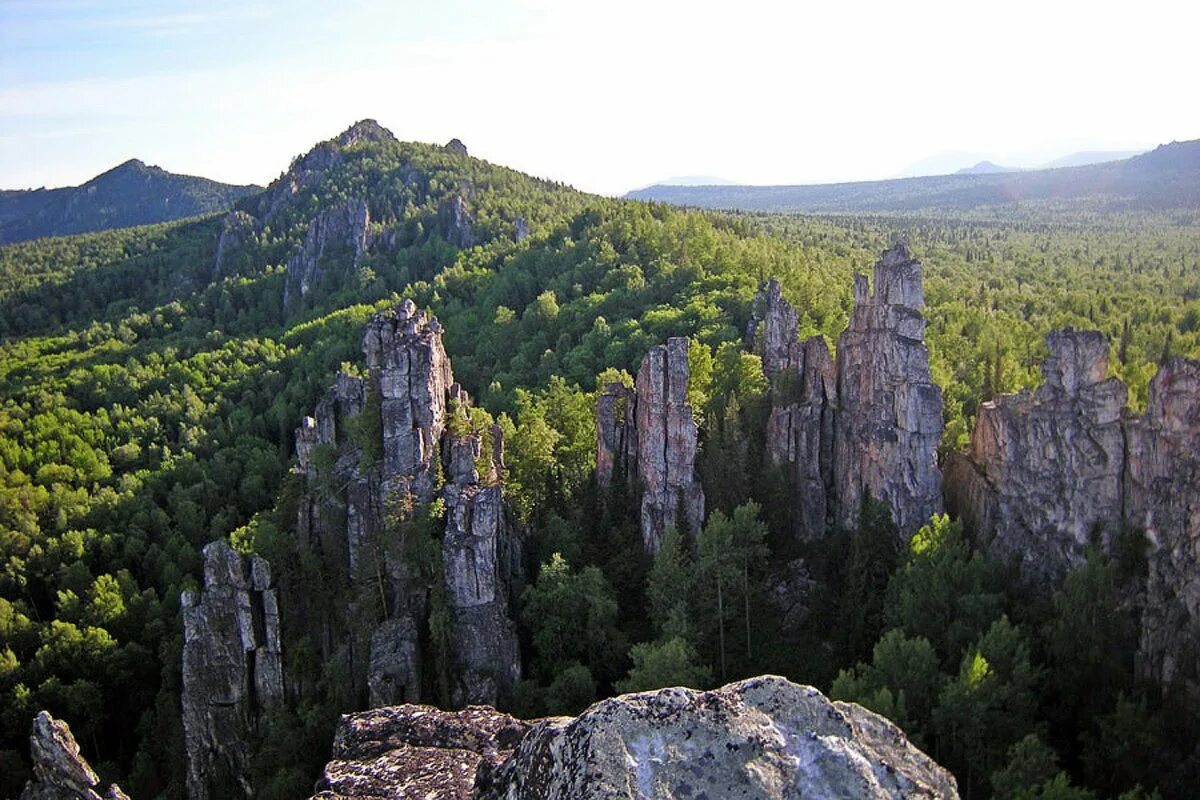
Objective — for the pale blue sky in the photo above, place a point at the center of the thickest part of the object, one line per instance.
(606, 96)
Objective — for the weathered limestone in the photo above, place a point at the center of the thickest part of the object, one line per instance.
(392, 442)
(59, 771)
(889, 419)
(1043, 477)
(1162, 498)
(648, 435)
(343, 227)
(232, 670)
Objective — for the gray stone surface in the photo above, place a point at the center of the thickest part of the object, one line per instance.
(889, 420)
(342, 228)
(412, 751)
(59, 771)
(1162, 498)
(759, 738)
(1043, 476)
(232, 670)
(354, 513)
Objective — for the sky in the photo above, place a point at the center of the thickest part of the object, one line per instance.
(606, 96)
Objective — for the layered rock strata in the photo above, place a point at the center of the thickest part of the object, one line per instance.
(59, 771)
(889, 419)
(648, 435)
(232, 670)
(760, 738)
(1043, 477)
(376, 452)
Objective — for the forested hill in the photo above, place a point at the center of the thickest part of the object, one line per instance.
(1163, 179)
(151, 379)
(128, 194)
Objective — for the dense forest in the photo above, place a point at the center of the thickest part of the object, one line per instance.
(150, 391)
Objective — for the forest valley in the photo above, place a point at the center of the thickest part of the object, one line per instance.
(450, 434)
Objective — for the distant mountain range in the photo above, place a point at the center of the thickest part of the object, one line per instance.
(129, 194)
(1167, 177)
(1080, 159)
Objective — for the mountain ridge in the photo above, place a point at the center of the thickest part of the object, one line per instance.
(131, 193)
(1136, 183)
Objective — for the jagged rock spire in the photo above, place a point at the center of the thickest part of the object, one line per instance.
(400, 437)
(232, 670)
(59, 771)
(890, 410)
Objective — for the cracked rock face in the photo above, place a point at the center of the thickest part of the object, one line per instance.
(1043, 477)
(341, 228)
(647, 436)
(232, 670)
(59, 771)
(763, 738)
(236, 229)
(800, 432)
(1162, 487)
(416, 751)
(889, 418)
(760, 738)
(456, 222)
(666, 445)
(360, 490)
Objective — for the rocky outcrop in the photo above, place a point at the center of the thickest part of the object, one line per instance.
(456, 222)
(232, 670)
(648, 436)
(59, 771)
(889, 419)
(416, 751)
(457, 147)
(237, 228)
(800, 428)
(760, 738)
(341, 229)
(521, 229)
(1043, 476)
(378, 450)
(1162, 498)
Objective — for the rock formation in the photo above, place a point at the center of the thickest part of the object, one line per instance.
(1043, 476)
(457, 225)
(889, 419)
(760, 738)
(457, 147)
(376, 452)
(1162, 498)
(800, 428)
(416, 751)
(232, 670)
(648, 434)
(59, 772)
(1054, 470)
(343, 228)
(236, 228)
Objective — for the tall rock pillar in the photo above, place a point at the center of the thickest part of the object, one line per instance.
(232, 670)
(889, 419)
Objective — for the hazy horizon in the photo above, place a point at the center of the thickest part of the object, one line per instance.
(605, 99)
